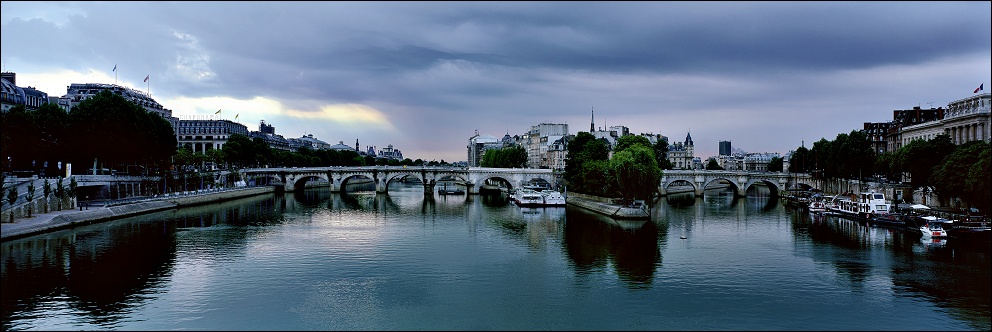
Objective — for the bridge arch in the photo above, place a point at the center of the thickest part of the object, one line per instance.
(772, 186)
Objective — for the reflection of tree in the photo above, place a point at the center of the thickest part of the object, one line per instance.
(590, 242)
(98, 272)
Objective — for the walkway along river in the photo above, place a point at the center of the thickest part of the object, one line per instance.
(318, 260)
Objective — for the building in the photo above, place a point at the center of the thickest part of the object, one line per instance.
(77, 92)
(13, 95)
(268, 134)
(390, 153)
(681, 154)
(341, 147)
(477, 146)
(907, 118)
(307, 141)
(725, 149)
(202, 135)
(537, 140)
(964, 120)
(877, 133)
(758, 162)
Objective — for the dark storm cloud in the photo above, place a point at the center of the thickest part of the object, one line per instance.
(651, 66)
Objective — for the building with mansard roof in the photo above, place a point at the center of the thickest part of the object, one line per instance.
(13, 95)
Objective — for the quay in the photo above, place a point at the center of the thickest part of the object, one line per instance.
(69, 218)
(607, 208)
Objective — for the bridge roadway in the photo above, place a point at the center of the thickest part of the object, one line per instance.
(474, 178)
(741, 181)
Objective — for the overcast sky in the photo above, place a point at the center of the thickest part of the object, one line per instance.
(424, 76)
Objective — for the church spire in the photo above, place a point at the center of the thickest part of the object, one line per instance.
(592, 122)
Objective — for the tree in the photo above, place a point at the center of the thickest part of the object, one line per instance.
(798, 162)
(953, 177)
(775, 165)
(712, 165)
(661, 154)
(30, 197)
(72, 187)
(509, 157)
(920, 157)
(585, 148)
(47, 190)
(11, 198)
(635, 171)
(59, 192)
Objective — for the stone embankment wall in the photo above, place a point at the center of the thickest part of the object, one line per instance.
(604, 206)
(94, 215)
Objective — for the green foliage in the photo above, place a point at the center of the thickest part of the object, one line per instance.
(12, 195)
(799, 162)
(509, 157)
(115, 130)
(775, 165)
(961, 174)
(712, 165)
(635, 171)
(920, 157)
(585, 148)
(661, 154)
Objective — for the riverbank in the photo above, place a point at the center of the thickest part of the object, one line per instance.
(616, 211)
(55, 220)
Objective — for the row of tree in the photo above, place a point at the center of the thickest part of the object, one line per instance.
(950, 170)
(107, 130)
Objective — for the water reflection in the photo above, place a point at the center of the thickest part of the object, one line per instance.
(402, 257)
(593, 243)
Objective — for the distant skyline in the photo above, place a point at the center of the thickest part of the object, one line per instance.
(425, 76)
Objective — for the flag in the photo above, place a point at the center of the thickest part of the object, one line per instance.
(115, 67)
(218, 112)
(146, 77)
(980, 88)
(236, 116)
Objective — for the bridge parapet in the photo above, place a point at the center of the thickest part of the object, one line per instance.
(741, 180)
(290, 177)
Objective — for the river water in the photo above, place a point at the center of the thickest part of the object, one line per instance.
(359, 261)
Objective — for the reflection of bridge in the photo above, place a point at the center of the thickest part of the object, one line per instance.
(474, 178)
(741, 181)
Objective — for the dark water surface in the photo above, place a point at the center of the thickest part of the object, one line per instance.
(360, 261)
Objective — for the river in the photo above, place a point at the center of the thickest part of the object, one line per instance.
(318, 260)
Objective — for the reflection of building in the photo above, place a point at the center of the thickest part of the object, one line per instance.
(203, 135)
(681, 154)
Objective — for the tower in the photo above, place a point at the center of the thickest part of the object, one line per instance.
(592, 121)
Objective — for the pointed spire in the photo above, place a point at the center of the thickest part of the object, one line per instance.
(592, 122)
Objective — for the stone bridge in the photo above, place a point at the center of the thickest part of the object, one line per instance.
(698, 180)
(293, 179)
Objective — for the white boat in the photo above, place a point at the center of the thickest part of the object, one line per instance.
(528, 197)
(865, 206)
(934, 227)
(818, 205)
(553, 198)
